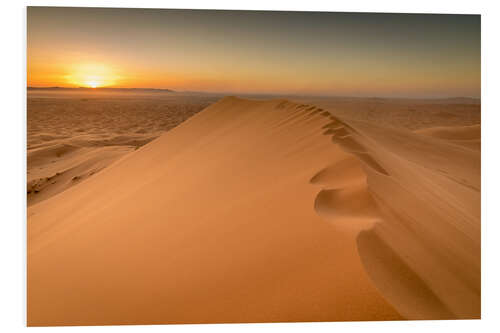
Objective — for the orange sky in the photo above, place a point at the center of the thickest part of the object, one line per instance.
(256, 52)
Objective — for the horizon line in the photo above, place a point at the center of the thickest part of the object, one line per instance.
(248, 93)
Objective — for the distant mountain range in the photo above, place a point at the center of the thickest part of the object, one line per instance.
(104, 89)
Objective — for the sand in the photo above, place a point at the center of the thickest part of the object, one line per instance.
(265, 211)
(74, 135)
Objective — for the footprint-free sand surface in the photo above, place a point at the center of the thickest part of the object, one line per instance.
(261, 211)
(72, 136)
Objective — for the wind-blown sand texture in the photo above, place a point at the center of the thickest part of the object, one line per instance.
(265, 211)
(72, 136)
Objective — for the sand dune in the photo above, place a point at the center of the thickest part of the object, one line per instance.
(412, 114)
(73, 136)
(423, 252)
(472, 132)
(466, 136)
(55, 168)
(259, 211)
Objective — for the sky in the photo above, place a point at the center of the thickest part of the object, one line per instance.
(306, 53)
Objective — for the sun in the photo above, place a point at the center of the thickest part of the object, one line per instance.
(91, 75)
(92, 84)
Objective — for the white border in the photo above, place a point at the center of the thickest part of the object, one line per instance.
(13, 134)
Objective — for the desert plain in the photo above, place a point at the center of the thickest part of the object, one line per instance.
(159, 208)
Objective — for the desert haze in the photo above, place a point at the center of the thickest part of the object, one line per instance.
(161, 208)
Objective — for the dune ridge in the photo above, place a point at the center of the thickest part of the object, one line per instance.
(221, 220)
(72, 137)
(422, 197)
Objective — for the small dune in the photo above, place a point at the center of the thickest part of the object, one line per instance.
(71, 139)
(45, 155)
(472, 132)
(466, 136)
(68, 169)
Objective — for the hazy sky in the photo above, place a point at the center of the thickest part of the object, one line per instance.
(402, 55)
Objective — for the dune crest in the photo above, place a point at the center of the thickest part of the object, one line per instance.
(423, 197)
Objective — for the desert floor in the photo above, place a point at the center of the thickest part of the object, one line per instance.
(72, 136)
(202, 209)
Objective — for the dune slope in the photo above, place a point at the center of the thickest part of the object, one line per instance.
(55, 168)
(248, 212)
(73, 135)
(422, 245)
(211, 222)
(466, 136)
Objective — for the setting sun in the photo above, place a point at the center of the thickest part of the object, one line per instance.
(91, 76)
(92, 84)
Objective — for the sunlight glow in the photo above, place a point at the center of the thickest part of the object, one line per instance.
(92, 84)
(91, 76)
